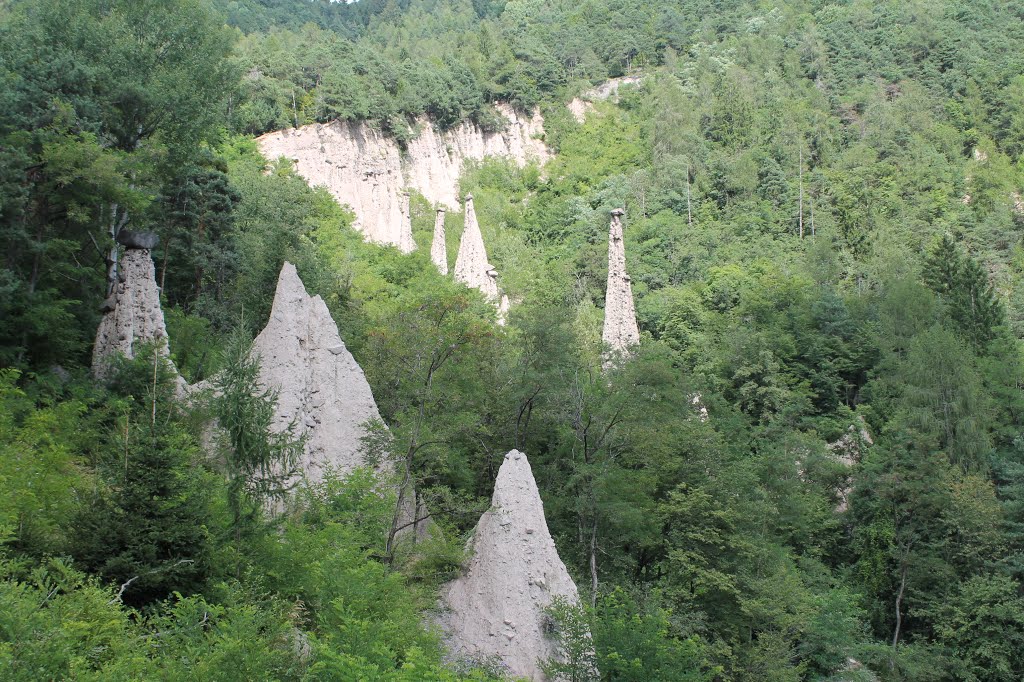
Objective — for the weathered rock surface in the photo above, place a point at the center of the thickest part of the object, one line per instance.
(580, 106)
(320, 385)
(366, 170)
(132, 314)
(620, 329)
(439, 247)
(496, 608)
(471, 265)
(849, 450)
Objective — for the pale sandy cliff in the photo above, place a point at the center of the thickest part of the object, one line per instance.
(367, 170)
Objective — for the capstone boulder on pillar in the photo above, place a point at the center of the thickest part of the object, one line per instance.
(320, 386)
(439, 247)
(620, 328)
(497, 607)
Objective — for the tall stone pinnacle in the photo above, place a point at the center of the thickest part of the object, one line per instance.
(497, 606)
(132, 314)
(439, 248)
(620, 329)
(320, 386)
(471, 266)
(406, 244)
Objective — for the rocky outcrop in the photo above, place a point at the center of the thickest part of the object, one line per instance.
(497, 607)
(471, 265)
(132, 314)
(439, 246)
(320, 387)
(580, 106)
(849, 450)
(620, 329)
(368, 171)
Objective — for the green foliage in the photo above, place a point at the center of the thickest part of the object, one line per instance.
(41, 474)
(149, 532)
(811, 469)
(259, 462)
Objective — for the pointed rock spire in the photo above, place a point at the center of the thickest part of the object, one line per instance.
(405, 242)
(319, 384)
(471, 266)
(620, 329)
(132, 314)
(496, 608)
(439, 247)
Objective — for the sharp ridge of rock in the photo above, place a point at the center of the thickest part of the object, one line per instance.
(497, 607)
(621, 332)
(368, 171)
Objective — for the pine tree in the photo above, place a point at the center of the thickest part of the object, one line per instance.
(970, 299)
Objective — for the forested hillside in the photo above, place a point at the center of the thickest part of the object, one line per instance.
(811, 467)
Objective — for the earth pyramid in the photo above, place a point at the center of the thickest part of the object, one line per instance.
(497, 607)
(320, 386)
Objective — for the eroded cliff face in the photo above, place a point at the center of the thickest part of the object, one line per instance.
(320, 386)
(132, 314)
(620, 328)
(496, 608)
(365, 169)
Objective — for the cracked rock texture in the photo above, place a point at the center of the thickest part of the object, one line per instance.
(496, 608)
(132, 314)
(439, 247)
(320, 385)
(471, 265)
(620, 329)
(367, 170)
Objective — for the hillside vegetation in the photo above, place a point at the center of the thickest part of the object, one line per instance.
(824, 232)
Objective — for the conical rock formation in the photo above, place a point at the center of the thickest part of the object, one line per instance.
(320, 386)
(471, 266)
(496, 608)
(132, 314)
(620, 329)
(439, 247)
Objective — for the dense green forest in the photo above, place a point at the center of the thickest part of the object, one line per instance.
(824, 232)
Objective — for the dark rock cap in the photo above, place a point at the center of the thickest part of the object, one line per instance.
(618, 211)
(138, 240)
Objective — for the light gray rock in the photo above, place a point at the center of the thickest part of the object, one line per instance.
(439, 247)
(368, 171)
(471, 265)
(620, 329)
(496, 608)
(320, 386)
(132, 314)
